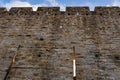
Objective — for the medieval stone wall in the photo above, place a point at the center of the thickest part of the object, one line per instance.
(47, 36)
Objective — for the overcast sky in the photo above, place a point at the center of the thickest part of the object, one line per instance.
(61, 3)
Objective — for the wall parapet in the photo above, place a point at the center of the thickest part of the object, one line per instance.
(69, 10)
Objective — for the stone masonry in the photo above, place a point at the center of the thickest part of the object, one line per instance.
(47, 36)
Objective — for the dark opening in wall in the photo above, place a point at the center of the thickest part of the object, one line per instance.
(74, 78)
(55, 14)
(37, 13)
(100, 14)
(39, 55)
(117, 57)
(28, 35)
(97, 55)
(19, 35)
(25, 13)
(47, 49)
(9, 13)
(41, 39)
(87, 14)
(68, 13)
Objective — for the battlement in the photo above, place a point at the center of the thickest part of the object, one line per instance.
(48, 9)
(24, 10)
(80, 10)
(56, 10)
(2, 9)
(107, 10)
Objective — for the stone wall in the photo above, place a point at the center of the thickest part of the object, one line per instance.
(47, 36)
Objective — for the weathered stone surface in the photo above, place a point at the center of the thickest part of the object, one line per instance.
(47, 36)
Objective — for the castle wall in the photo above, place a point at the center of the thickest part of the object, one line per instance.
(47, 36)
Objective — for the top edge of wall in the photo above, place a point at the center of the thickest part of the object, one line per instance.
(69, 9)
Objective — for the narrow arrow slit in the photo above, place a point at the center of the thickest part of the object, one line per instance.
(74, 68)
(74, 64)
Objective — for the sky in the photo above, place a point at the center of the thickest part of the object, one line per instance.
(58, 3)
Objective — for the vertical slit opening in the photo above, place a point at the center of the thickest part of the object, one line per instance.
(74, 69)
(74, 64)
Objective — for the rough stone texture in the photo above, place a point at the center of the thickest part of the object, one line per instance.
(46, 37)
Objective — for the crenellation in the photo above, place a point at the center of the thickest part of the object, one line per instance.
(48, 10)
(80, 10)
(28, 11)
(20, 11)
(107, 10)
(3, 9)
(77, 9)
(3, 12)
